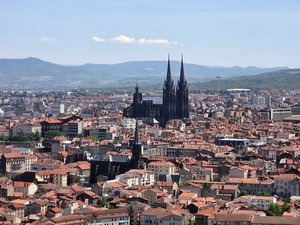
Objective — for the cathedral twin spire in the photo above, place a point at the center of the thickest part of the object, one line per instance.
(175, 100)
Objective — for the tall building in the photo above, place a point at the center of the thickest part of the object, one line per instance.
(175, 102)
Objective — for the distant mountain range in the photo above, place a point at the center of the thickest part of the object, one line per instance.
(33, 73)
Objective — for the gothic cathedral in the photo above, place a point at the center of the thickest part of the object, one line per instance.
(175, 102)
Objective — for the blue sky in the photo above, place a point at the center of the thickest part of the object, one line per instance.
(264, 33)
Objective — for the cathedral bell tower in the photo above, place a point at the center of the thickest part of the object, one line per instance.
(169, 97)
(137, 99)
(182, 95)
(136, 149)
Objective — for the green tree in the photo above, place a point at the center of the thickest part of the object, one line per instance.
(287, 204)
(217, 179)
(243, 192)
(49, 136)
(264, 194)
(275, 209)
(80, 135)
(102, 203)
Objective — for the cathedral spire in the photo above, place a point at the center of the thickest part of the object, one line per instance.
(182, 78)
(169, 78)
(136, 140)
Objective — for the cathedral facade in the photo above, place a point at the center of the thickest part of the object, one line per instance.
(175, 101)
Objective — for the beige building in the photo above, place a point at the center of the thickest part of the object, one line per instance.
(27, 128)
(118, 216)
(29, 159)
(59, 177)
(161, 216)
(161, 168)
(26, 188)
(238, 172)
(13, 161)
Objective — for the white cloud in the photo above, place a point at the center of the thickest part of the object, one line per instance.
(48, 39)
(123, 39)
(156, 41)
(97, 39)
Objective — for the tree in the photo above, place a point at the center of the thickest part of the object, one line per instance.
(49, 136)
(243, 192)
(275, 209)
(264, 194)
(287, 204)
(102, 203)
(80, 135)
(217, 179)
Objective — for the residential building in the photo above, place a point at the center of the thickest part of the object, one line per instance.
(29, 159)
(161, 216)
(118, 216)
(27, 128)
(283, 185)
(26, 188)
(13, 161)
(161, 168)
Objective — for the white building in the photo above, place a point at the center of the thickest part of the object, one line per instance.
(161, 168)
(137, 177)
(128, 123)
(29, 159)
(27, 128)
(261, 202)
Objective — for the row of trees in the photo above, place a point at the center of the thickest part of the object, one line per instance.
(21, 137)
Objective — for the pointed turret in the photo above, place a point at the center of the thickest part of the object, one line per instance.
(136, 148)
(169, 77)
(182, 78)
(136, 140)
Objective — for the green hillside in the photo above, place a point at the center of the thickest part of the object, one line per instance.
(281, 80)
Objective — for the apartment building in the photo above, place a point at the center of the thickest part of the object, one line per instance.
(118, 216)
(161, 168)
(26, 188)
(59, 177)
(29, 159)
(12, 161)
(253, 186)
(161, 216)
(284, 185)
(46, 164)
(27, 128)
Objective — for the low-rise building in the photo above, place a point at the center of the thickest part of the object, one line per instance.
(161, 168)
(161, 216)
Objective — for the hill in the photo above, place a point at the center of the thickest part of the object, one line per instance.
(33, 73)
(280, 80)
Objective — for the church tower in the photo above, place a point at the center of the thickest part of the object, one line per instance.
(182, 95)
(169, 97)
(137, 100)
(136, 149)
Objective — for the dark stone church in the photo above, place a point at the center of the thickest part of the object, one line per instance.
(111, 165)
(175, 102)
